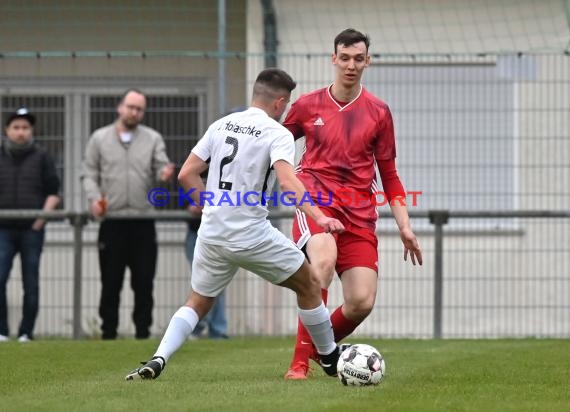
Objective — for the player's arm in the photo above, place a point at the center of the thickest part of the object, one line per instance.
(395, 194)
(394, 191)
(385, 154)
(195, 165)
(189, 176)
(396, 197)
(294, 189)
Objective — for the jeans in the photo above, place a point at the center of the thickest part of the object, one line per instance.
(28, 243)
(215, 320)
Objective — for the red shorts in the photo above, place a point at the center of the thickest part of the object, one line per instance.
(356, 246)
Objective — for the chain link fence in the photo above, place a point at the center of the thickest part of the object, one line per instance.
(483, 135)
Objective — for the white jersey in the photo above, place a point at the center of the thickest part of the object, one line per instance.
(241, 149)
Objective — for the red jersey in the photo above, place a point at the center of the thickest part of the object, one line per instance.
(342, 144)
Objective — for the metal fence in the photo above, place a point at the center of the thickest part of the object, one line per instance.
(474, 132)
(484, 134)
(483, 285)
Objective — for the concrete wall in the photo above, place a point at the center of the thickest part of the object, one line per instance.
(61, 27)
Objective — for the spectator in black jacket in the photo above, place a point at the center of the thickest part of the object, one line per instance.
(28, 180)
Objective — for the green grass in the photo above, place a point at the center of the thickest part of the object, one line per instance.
(247, 375)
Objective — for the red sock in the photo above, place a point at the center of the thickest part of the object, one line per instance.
(342, 326)
(304, 345)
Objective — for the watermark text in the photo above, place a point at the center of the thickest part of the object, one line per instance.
(160, 197)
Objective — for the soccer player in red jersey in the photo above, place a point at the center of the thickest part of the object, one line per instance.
(348, 130)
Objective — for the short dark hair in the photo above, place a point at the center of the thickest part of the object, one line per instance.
(133, 90)
(349, 37)
(273, 80)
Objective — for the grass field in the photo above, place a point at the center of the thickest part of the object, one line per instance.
(246, 375)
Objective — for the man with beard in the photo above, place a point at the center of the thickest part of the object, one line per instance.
(28, 180)
(122, 163)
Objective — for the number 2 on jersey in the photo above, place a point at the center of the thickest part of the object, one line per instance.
(225, 185)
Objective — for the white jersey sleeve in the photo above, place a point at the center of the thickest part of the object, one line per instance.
(283, 148)
(203, 148)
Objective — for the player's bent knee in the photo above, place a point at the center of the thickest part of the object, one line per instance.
(303, 282)
(359, 308)
(325, 269)
(313, 284)
(309, 282)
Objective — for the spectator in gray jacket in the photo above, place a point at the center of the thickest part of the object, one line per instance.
(122, 163)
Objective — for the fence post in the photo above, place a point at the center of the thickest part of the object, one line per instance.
(78, 220)
(438, 218)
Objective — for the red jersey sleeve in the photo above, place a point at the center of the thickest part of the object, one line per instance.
(385, 143)
(390, 181)
(293, 122)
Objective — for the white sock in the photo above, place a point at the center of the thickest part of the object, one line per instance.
(179, 329)
(318, 324)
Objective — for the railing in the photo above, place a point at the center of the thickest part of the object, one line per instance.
(438, 218)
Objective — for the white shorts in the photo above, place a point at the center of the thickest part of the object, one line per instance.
(275, 259)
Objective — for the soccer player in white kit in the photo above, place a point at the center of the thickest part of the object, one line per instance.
(245, 152)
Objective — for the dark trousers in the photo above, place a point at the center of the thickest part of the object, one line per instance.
(122, 244)
(28, 243)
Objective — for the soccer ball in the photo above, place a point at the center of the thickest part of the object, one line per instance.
(361, 365)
